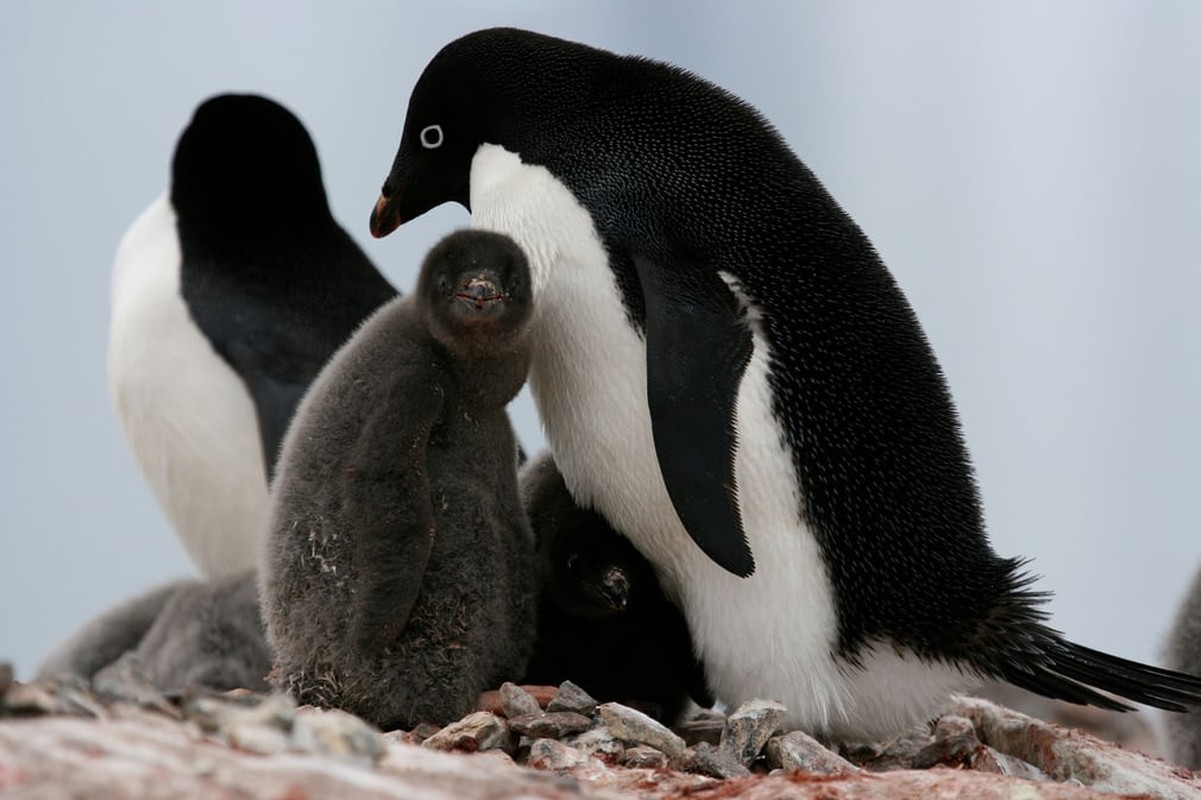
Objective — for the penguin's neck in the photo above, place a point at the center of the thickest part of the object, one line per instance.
(486, 378)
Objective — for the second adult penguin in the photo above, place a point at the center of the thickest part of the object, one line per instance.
(398, 581)
(229, 294)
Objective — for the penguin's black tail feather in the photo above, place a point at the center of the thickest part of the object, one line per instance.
(1015, 644)
(1072, 672)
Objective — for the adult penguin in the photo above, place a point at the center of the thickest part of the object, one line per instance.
(229, 294)
(729, 374)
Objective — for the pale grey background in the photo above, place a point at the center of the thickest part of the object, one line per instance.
(1029, 171)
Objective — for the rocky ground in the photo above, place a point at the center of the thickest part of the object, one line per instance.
(123, 739)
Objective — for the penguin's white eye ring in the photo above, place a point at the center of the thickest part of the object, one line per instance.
(431, 137)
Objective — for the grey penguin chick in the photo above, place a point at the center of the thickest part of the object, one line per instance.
(108, 636)
(728, 373)
(1182, 652)
(229, 294)
(397, 581)
(209, 635)
(183, 635)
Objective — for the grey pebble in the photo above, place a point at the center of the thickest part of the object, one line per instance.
(641, 756)
(716, 762)
(571, 698)
(479, 730)
(599, 742)
(125, 679)
(517, 702)
(550, 724)
(265, 728)
(553, 754)
(986, 759)
(69, 694)
(749, 727)
(337, 734)
(955, 751)
(257, 738)
(634, 727)
(898, 753)
(953, 725)
(799, 750)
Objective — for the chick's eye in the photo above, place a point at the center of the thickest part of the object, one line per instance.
(431, 137)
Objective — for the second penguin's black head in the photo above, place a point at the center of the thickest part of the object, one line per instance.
(475, 290)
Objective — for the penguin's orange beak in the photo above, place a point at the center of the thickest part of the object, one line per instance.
(385, 218)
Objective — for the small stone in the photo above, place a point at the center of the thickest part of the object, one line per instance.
(954, 751)
(553, 754)
(257, 739)
(599, 742)
(634, 727)
(419, 734)
(572, 698)
(517, 702)
(799, 750)
(479, 730)
(641, 756)
(953, 725)
(898, 753)
(208, 713)
(125, 679)
(986, 759)
(716, 762)
(277, 710)
(265, 728)
(31, 699)
(550, 724)
(749, 728)
(335, 733)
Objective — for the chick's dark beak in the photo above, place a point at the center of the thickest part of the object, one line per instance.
(479, 292)
(616, 588)
(385, 217)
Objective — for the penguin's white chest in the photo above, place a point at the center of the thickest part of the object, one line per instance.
(772, 634)
(185, 413)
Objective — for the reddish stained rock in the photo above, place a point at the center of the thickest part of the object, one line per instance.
(1072, 755)
(490, 701)
(479, 730)
(550, 724)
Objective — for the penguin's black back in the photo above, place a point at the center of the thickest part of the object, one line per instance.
(268, 275)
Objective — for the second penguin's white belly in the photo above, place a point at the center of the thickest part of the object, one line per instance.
(185, 413)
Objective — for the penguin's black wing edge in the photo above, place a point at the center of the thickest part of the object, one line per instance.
(697, 349)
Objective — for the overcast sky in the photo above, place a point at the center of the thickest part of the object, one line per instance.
(1030, 172)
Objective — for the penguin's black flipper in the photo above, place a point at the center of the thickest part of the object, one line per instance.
(697, 348)
(276, 371)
